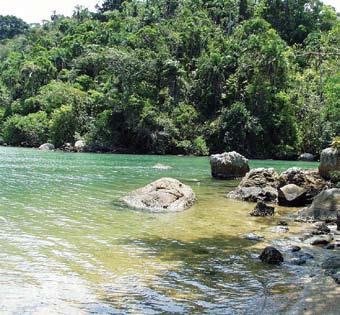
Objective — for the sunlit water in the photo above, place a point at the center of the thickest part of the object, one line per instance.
(68, 247)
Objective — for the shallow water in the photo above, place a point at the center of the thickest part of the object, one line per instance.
(68, 247)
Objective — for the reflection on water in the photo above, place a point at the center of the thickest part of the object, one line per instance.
(68, 247)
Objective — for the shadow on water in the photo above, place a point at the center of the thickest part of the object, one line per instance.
(219, 275)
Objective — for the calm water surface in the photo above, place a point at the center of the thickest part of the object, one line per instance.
(68, 247)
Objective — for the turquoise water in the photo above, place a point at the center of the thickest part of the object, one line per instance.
(67, 246)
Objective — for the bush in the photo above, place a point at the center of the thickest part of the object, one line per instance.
(63, 125)
(30, 130)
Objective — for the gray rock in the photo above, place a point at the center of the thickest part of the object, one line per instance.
(298, 261)
(320, 240)
(80, 146)
(259, 184)
(329, 162)
(163, 195)
(47, 147)
(262, 210)
(308, 157)
(253, 237)
(271, 255)
(279, 229)
(292, 195)
(336, 277)
(228, 165)
(309, 180)
(324, 207)
(295, 249)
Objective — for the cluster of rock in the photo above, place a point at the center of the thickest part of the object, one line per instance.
(79, 146)
(294, 187)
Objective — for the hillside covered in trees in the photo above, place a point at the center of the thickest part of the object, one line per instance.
(175, 77)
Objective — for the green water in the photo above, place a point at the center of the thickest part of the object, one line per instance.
(68, 247)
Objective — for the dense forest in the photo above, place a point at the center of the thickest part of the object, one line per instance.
(175, 77)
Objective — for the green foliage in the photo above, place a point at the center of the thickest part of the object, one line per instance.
(63, 125)
(177, 77)
(30, 130)
(11, 26)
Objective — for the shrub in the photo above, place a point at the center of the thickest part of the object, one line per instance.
(30, 130)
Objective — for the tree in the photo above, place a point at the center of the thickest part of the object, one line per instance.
(11, 26)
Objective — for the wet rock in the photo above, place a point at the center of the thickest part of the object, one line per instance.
(80, 146)
(271, 255)
(262, 210)
(295, 249)
(321, 228)
(308, 157)
(292, 195)
(67, 147)
(320, 240)
(324, 207)
(253, 237)
(298, 261)
(336, 277)
(329, 162)
(163, 195)
(161, 167)
(279, 229)
(309, 180)
(228, 165)
(305, 256)
(332, 246)
(47, 147)
(331, 263)
(259, 184)
(283, 223)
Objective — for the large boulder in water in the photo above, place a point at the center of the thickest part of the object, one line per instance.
(325, 207)
(307, 157)
(259, 184)
(309, 180)
(163, 195)
(292, 195)
(329, 162)
(228, 165)
(46, 147)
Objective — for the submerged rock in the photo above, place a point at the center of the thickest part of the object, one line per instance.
(228, 165)
(279, 229)
(259, 184)
(270, 255)
(295, 249)
(262, 210)
(325, 207)
(47, 147)
(160, 166)
(253, 237)
(329, 162)
(163, 195)
(292, 195)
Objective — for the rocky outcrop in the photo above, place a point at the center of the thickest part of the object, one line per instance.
(270, 255)
(80, 146)
(307, 157)
(329, 162)
(259, 184)
(262, 210)
(325, 207)
(47, 147)
(228, 165)
(309, 180)
(163, 195)
(292, 195)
